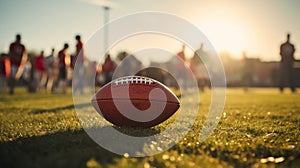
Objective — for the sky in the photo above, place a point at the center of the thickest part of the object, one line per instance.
(257, 27)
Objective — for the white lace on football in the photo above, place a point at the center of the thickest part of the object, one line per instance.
(126, 80)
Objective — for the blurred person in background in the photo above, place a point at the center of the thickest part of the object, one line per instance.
(129, 65)
(198, 67)
(79, 70)
(64, 63)
(247, 68)
(4, 72)
(180, 67)
(28, 76)
(40, 73)
(51, 68)
(18, 56)
(287, 51)
(108, 69)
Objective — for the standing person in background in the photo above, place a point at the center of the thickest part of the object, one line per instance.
(79, 70)
(29, 76)
(50, 64)
(108, 69)
(247, 71)
(4, 72)
(198, 65)
(40, 74)
(18, 56)
(93, 75)
(287, 51)
(64, 64)
(181, 53)
(180, 67)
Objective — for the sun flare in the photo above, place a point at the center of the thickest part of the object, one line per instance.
(226, 35)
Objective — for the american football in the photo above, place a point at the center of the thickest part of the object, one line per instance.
(135, 101)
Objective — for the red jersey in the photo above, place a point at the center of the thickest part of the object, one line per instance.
(181, 55)
(16, 51)
(39, 63)
(79, 46)
(4, 67)
(180, 64)
(61, 58)
(109, 65)
(79, 58)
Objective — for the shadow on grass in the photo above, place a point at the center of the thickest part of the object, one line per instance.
(138, 131)
(40, 111)
(67, 149)
(62, 149)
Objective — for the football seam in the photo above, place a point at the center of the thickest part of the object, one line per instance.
(133, 99)
(133, 79)
(135, 84)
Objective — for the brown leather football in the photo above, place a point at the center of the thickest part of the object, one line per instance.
(135, 101)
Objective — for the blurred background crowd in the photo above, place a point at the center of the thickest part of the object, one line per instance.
(55, 72)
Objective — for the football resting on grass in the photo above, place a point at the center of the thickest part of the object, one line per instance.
(135, 101)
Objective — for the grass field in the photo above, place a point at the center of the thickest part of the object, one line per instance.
(259, 128)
